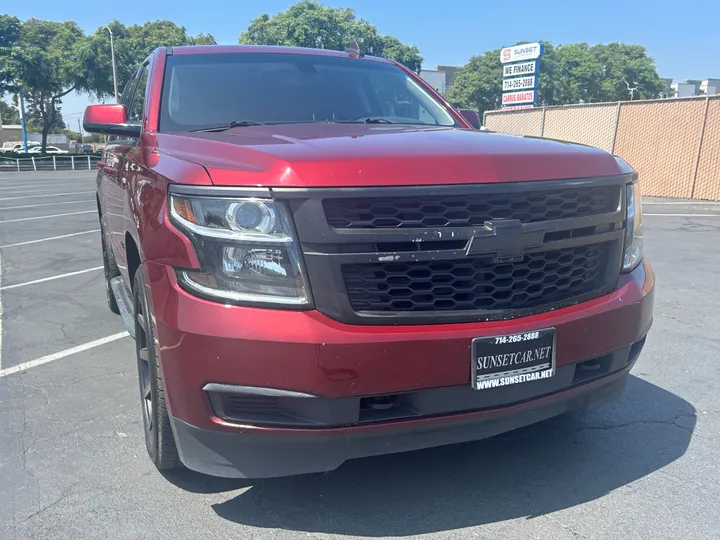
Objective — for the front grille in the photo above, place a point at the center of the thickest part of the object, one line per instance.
(458, 253)
(472, 284)
(469, 210)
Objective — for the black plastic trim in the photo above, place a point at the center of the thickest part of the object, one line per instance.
(447, 189)
(127, 130)
(248, 453)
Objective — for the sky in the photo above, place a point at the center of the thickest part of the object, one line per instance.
(682, 36)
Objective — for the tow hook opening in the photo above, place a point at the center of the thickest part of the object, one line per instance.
(378, 403)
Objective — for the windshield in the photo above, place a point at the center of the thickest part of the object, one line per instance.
(208, 90)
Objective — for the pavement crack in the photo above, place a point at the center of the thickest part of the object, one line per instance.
(46, 508)
(670, 421)
(572, 531)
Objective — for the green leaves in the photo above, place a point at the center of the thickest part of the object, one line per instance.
(478, 84)
(573, 73)
(46, 62)
(132, 45)
(8, 114)
(9, 34)
(310, 24)
(43, 60)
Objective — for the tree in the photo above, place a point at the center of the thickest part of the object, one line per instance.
(9, 34)
(202, 39)
(34, 120)
(310, 24)
(573, 73)
(407, 55)
(478, 84)
(8, 114)
(624, 65)
(132, 45)
(45, 63)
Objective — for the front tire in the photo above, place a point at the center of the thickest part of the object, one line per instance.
(159, 439)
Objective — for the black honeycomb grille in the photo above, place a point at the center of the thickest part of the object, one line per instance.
(475, 284)
(469, 210)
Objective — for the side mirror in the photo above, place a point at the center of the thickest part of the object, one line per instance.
(109, 120)
(472, 117)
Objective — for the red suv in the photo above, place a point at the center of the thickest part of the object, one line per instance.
(320, 260)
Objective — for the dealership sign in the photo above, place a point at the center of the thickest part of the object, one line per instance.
(524, 68)
(520, 79)
(519, 83)
(527, 51)
(513, 98)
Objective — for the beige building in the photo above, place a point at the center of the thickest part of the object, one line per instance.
(10, 132)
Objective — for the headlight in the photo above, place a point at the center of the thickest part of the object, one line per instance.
(633, 250)
(246, 247)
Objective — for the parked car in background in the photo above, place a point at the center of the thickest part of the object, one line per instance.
(320, 259)
(48, 150)
(18, 148)
(85, 149)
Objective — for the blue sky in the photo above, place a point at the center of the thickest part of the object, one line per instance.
(682, 36)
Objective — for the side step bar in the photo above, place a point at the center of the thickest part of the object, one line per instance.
(124, 302)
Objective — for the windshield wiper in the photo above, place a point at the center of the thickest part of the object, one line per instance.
(370, 120)
(233, 124)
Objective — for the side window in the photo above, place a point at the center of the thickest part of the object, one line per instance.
(137, 107)
(125, 99)
(126, 95)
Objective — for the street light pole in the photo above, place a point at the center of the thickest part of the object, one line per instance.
(112, 55)
(22, 119)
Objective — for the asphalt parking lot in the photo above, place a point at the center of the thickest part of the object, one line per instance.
(72, 455)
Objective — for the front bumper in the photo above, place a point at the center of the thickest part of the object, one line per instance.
(204, 342)
(247, 454)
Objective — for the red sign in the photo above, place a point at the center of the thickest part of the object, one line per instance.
(512, 98)
(506, 54)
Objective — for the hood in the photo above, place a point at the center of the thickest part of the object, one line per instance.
(355, 155)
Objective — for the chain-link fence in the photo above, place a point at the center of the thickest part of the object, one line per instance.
(673, 143)
(49, 163)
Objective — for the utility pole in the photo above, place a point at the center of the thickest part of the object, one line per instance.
(112, 56)
(82, 135)
(22, 119)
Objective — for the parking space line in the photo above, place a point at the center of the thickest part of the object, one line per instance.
(49, 238)
(48, 184)
(47, 217)
(51, 278)
(683, 215)
(686, 203)
(41, 191)
(45, 196)
(62, 354)
(43, 204)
